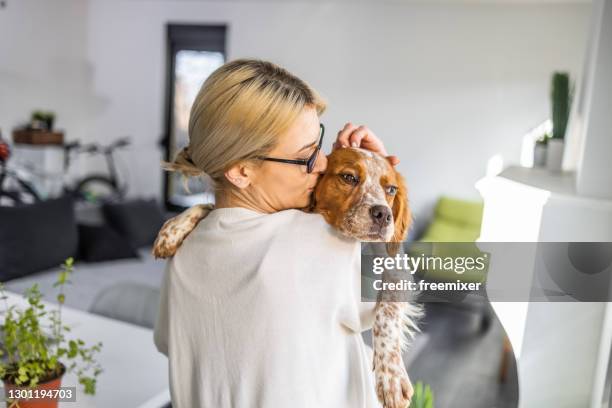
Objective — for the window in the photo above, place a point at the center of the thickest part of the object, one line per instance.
(193, 53)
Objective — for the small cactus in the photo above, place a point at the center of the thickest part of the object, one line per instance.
(561, 102)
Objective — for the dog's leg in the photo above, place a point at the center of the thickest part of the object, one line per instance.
(393, 385)
(395, 322)
(176, 229)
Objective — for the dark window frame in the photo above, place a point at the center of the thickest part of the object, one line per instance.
(208, 37)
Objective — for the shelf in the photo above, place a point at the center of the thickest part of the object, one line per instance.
(545, 184)
(563, 183)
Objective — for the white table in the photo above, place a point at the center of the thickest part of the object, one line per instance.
(135, 373)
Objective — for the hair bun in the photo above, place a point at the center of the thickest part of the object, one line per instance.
(184, 164)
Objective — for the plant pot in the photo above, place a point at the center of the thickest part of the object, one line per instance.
(53, 384)
(49, 123)
(554, 154)
(539, 155)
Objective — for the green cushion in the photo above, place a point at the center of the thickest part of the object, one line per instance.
(454, 220)
(461, 211)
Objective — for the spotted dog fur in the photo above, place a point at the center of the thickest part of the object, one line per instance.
(175, 230)
(357, 185)
(347, 206)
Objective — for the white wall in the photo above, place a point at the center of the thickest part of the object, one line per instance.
(43, 65)
(594, 176)
(42, 61)
(446, 85)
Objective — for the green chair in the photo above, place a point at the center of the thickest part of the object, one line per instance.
(457, 221)
(454, 220)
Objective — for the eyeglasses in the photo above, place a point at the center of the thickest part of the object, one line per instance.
(310, 162)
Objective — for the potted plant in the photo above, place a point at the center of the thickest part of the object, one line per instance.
(36, 354)
(539, 150)
(560, 102)
(42, 120)
(422, 397)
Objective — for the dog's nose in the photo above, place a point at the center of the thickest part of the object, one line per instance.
(381, 214)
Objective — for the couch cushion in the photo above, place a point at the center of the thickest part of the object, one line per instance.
(130, 302)
(36, 236)
(102, 243)
(89, 279)
(454, 220)
(461, 211)
(139, 220)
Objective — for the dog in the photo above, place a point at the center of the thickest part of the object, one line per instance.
(363, 197)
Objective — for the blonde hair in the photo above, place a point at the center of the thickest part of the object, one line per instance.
(239, 113)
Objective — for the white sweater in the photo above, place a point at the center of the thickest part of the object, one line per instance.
(264, 310)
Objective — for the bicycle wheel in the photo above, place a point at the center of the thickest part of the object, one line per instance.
(27, 193)
(14, 198)
(9, 199)
(24, 195)
(98, 189)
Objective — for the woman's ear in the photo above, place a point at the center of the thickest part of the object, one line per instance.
(402, 216)
(238, 175)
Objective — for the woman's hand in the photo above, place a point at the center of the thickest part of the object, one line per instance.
(361, 136)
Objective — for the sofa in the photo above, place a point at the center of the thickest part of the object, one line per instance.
(124, 289)
(114, 273)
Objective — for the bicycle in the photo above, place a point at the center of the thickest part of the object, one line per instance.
(14, 188)
(94, 188)
(97, 187)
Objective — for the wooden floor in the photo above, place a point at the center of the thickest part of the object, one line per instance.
(461, 363)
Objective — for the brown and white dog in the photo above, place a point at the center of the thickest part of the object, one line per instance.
(363, 197)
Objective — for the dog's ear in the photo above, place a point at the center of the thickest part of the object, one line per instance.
(402, 216)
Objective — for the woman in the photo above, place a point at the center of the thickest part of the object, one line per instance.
(260, 306)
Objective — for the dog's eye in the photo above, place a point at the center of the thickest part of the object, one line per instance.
(349, 178)
(391, 190)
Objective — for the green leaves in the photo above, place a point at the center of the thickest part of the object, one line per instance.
(423, 397)
(89, 384)
(65, 273)
(73, 349)
(34, 341)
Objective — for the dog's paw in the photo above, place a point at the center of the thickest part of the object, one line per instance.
(176, 229)
(393, 386)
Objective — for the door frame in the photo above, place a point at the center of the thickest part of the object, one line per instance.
(206, 37)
